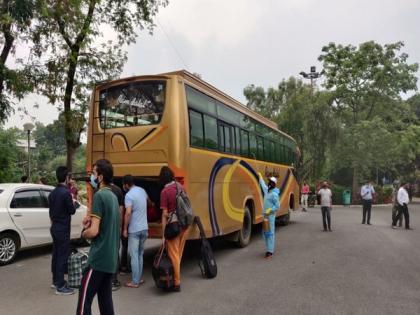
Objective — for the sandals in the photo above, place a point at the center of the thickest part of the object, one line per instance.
(133, 285)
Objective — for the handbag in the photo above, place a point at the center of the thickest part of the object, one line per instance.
(172, 228)
(162, 269)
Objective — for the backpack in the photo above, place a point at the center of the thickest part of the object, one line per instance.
(76, 263)
(162, 269)
(206, 262)
(184, 210)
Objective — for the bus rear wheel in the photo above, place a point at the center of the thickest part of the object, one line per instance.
(244, 234)
(283, 220)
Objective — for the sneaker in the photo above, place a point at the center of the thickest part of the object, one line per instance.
(64, 291)
(269, 255)
(53, 286)
(116, 285)
(394, 227)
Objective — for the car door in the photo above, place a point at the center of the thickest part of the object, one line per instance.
(29, 212)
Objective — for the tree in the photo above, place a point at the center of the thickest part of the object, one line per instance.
(304, 114)
(15, 23)
(366, 82)
(71, 33)
(9, 170)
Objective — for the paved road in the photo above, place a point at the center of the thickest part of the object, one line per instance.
(356, 269)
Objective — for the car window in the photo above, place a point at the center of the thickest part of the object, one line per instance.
(1, 190)
(28, 199)
(46, 193)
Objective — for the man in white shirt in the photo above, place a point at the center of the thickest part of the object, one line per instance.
(326, 205)
(402, 200)
(366, 193)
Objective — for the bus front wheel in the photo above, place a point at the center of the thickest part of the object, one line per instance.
(244, 235)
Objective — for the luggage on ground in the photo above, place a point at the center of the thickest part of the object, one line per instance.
(76, 263)
(162, 270)
(207, 262)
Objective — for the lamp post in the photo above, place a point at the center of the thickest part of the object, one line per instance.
(28, 127)
(312, 75)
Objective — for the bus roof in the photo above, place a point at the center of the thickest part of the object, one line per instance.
(195, 80)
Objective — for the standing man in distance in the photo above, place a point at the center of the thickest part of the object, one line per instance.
(103, 228)
(135, 227)
(366, 193)
(325, 195)
(403, 199)
(305, 194)
(61, 209)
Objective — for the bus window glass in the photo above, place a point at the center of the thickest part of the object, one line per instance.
(228, 139)
(228, 114)
(221, 138)
(244, 143)
(237, 141)
(252, 146)
(134, 104)
(200, 101)
(260, 148)
(210, 132)
(196, 129)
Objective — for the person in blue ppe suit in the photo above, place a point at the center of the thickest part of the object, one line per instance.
(271, 204)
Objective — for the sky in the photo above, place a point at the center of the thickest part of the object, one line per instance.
(234, 43)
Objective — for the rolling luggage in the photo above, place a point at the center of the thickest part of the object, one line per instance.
(76, 264)
(206, 262)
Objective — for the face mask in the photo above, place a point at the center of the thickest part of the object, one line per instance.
(93, 181)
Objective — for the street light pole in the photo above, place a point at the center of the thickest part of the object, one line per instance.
(28, 128)
(312, 75)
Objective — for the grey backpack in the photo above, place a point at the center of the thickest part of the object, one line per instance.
(184, 210)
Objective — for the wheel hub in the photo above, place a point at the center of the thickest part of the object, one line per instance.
(7, 249)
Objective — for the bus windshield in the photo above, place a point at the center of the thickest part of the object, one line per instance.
(134, 104)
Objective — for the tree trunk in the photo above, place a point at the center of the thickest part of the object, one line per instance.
(8, 44)
(71, 150)
(355, 186)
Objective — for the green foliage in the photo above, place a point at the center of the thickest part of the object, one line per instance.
(9, 152)
(15, 21)
(76, 53)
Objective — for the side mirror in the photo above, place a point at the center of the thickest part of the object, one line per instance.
(76, 204)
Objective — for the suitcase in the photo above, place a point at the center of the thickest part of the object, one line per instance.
(76, 264)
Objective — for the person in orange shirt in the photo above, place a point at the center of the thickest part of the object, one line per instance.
(305, 194)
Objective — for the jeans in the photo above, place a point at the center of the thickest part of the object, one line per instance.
(95, 282)
(136, 248)
(367, 207)
(326, 217)
(60, 255)
(269, 236)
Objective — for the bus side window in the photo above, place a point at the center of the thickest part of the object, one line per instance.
(196, 129)
(210, 132)
(244, 142)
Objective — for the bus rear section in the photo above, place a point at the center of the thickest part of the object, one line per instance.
(134, 123)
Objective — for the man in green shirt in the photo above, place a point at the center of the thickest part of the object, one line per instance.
(104, 230)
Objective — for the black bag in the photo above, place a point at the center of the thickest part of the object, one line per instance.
(184, 210)
(172, 227)
(162, 270)
(207, 262)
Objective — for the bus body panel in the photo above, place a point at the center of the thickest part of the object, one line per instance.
(218, 184)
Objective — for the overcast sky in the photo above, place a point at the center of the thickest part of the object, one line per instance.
(239, 42)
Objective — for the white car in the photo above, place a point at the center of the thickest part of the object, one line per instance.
(25, 220)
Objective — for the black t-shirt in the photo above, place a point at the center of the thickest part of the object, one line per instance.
(117, 192)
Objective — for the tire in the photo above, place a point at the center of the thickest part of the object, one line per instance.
(244, 234)
(9, 245)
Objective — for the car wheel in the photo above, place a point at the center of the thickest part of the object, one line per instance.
(8, 248)
(244, 236)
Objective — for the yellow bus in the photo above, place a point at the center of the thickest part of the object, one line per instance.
(215, 145)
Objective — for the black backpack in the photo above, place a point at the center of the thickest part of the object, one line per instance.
(184, 210)
(162, 270)
(207, 262)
